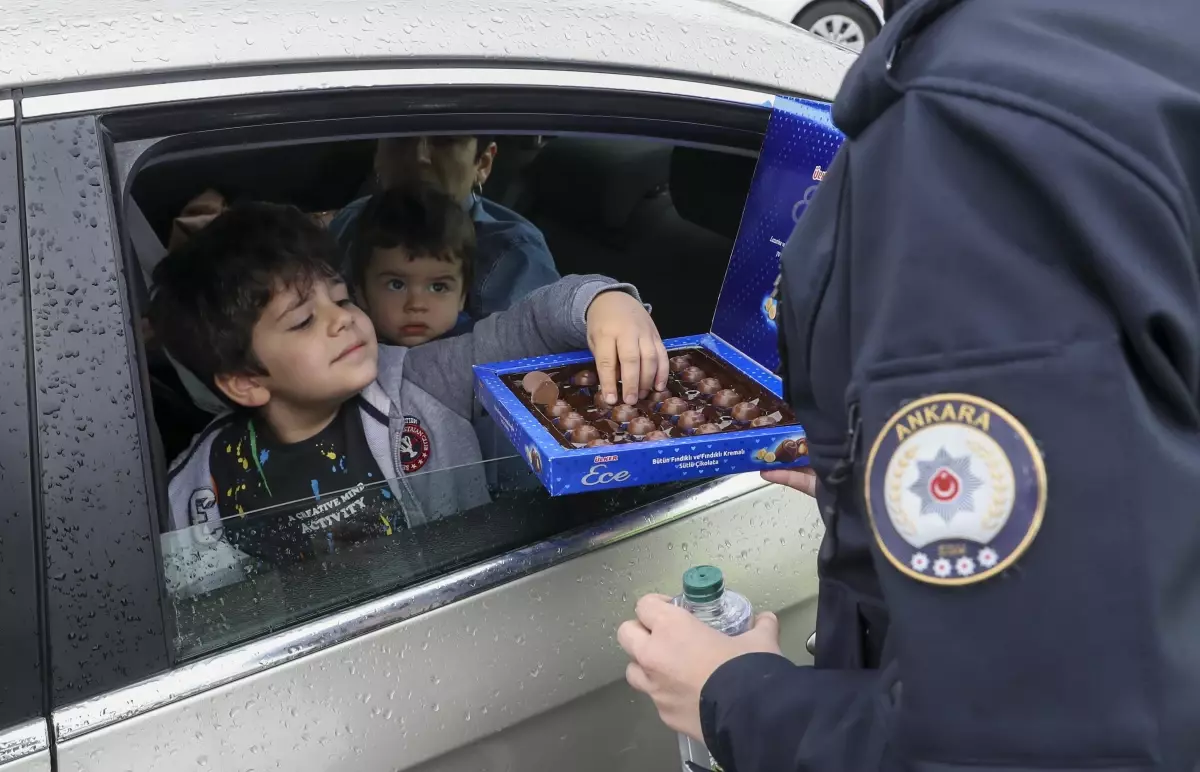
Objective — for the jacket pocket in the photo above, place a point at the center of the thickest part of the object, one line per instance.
(851, 628)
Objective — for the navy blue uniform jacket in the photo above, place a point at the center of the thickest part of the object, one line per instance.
(1013, 216)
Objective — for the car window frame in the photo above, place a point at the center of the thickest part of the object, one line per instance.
(456, 108)
(23, 686)
(459, 112)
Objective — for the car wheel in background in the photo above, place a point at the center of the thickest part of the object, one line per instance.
(844, 22)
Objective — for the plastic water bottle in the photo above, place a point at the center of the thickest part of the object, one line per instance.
(705, 596)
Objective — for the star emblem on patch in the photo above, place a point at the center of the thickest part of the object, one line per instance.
(945, 485)
(955, 489)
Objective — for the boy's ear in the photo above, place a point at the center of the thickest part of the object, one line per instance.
(244, 390)
(483, 166)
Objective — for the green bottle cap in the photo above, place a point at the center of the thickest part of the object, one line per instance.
(703, 584)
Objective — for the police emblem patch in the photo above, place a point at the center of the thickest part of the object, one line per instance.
(955, 489)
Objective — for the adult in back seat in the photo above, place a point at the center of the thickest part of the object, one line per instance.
(511, 258)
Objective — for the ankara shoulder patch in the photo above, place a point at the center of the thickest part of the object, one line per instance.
(955, 489)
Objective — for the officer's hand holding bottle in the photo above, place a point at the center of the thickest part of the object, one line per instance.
(673, 653)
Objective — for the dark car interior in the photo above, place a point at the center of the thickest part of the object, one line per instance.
(660, 216)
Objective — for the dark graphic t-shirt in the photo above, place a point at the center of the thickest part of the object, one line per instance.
(287, 502)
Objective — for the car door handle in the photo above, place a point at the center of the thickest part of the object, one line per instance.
(811, 643)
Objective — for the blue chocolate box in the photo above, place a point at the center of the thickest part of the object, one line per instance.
(799, 145)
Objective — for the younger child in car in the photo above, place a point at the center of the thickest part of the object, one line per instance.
(325, 421)
(411, 263)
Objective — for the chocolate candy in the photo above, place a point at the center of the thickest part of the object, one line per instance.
(655, 397)
(704, 395)
(690, 420)
(570, 422)
(532, 380)
(674, 405)
(726, 398)
(745, 412)
(545, 393)
(585, 378)
(623, 414)
(558, 409)
(581, 435)
(640, 425)
(788, 451)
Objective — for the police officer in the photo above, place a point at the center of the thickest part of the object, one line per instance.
(992, 321)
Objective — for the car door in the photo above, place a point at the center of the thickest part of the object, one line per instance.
(484, 642)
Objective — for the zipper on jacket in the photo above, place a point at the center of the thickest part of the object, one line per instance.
(839, 476)
(843, 470)
(410, 505)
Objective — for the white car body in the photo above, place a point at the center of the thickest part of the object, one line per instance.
(523, 671)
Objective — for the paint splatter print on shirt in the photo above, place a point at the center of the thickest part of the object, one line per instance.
(284, 501)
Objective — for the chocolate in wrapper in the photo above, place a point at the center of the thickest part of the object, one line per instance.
(641, 426)
(585, 377)
(673, 406)
(583, 434)
(534, 379)
(687, 422)
(733, 403)
(726, 399)
(623, 414)
(764, 420)
(559, 409)
(745, 412)
(571, 421)
(545, 393)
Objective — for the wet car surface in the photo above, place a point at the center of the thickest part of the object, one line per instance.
(485, 642)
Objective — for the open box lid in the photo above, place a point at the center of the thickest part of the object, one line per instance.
(800, 143)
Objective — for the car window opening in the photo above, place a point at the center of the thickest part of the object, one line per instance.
(426, 236)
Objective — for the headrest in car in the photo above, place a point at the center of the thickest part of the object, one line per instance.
(598, 182)
(709, 188)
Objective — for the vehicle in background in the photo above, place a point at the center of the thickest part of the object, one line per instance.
(848, 23)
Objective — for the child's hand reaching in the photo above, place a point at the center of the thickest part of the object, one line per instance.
(627, 347)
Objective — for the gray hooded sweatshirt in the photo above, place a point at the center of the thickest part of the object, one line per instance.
(432, 385)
